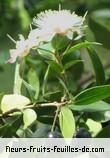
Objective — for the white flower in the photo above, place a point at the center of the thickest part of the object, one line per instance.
(22, 48)
(50, 23)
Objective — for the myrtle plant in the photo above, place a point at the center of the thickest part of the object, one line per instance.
(48, 98)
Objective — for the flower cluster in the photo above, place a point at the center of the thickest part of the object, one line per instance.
(48, 24)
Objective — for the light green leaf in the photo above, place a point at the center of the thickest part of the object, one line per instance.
(29, 116)
(94, 127)
(98, 67)
(92, 95)
(13, 101)
(80, 45)
(17, 78)
(34, 82)
(46, 51)
(23, 15)
(94, 107)
(67, 122)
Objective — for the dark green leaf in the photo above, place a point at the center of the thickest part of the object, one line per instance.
(71, 63)
(30, 90)
(99, 22)
(41, 132)
(56, 67)
(4, 130)
(105, 133)
(16, 124)
(59, 42)
(98, 67)
(92, 95)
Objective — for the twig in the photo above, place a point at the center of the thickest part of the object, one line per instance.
(56, 104)
(55, 119)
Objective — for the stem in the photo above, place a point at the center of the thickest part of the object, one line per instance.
(54, 104)
(55, 119)
(63, 78)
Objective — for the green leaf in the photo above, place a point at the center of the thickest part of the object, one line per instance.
(105, 133)
(71, 63)
(92, 95)
(56, 67)
(29, 116)
(98, 67)
(46, 51)
(34, 82)
(13, 101)
(67, 122)
(102, 116)
(64, 86)
(30, 90)
(17, 78)
(42, 132)
(15, 125)
(59, 42)
(4, 130)
(94, 127)
(23, 15)
(80, 45)
(94, 107)
(99, 23)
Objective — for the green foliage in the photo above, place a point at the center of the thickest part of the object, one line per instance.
(93, 107)
(47, 51)
(92, 95)
(98, 68)
(67, 122)
(104, 133)
(56, 74)
(13, 101)
(34, 82)
(94, 127)
(27, 114)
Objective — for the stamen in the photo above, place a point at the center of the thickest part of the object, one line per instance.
(11, 38)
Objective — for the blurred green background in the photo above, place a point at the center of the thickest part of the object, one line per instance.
(16, 16)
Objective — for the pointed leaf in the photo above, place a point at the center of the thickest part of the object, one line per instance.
(17, 79)
(80, 45)
(94, 107)
(34, 82)
(67, 122)
(92, 95)
(98, 67)
(71, 63)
